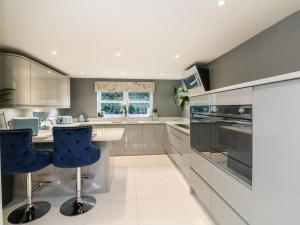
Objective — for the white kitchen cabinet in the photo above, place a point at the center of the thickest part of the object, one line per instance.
(39, 85)
(178, 149)
(201, 166)
(15, 73)
(222, 213)
(118, 147)
(64, 91)
(241, 96)
(133, 139)
(52, 88)
(276, 183)
(201, 189)
(153, 139)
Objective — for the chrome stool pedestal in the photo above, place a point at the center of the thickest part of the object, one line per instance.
(31, 211)
(79, 204)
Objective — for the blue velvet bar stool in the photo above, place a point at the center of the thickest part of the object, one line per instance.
(18, 156)
(73, 149)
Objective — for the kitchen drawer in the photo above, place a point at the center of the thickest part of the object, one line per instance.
(222, 213)
(233, 191)
(202, 190)
(179, 140)
(241, 96)
(201, 166)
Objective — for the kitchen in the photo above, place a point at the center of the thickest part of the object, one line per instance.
(142, 124)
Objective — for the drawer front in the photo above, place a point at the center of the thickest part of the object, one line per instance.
(179, 140)
(237, 194)
(202, 166)
(241, 96)
(202, 190)
(222, 213)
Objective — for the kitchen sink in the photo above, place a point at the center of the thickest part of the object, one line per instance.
(185, 126)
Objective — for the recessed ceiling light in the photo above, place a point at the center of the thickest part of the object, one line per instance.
(221, 2)
(82, 73)
(54, 52)
(122, 73)
(162, 74)
(177, 56)
(118, 54)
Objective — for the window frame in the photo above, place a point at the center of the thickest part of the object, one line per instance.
(126, 101)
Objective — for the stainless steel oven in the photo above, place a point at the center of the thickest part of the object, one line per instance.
(223, 134)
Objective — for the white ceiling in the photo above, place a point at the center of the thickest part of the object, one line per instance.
(87, 34)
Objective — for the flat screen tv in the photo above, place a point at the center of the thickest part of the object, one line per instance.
(196, 80)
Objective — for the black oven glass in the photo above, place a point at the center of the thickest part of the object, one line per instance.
(224, 135)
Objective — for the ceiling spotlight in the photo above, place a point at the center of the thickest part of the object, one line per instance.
(54, 52)
(118, 54)
(82, 73)
(221, 2)
(177, 56)
(122, 73)
(162, 74)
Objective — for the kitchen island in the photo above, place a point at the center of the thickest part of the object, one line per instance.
(61, 182)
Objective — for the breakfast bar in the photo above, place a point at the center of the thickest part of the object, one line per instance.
(53, 181)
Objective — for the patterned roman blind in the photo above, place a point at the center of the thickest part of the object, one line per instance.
(125, 86)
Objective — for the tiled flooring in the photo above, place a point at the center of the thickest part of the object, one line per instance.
(146, 190)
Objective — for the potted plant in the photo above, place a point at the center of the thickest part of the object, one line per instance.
(5, 95)
(180, 96)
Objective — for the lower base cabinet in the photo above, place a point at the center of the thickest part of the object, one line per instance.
(222, 213)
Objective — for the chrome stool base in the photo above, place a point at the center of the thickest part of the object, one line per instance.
(74, 207)
(28, 213)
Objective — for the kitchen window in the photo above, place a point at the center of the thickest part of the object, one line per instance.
(112, 104)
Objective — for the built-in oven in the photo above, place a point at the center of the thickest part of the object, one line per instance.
(223, 134)
(231, 139)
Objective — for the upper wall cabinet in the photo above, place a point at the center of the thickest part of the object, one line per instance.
(15, 73)
(35, 85)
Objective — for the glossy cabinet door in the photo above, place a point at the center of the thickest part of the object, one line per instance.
(64, 90)
(223, 213)
(153, 139)
(15, 73)
(133, 139)
(52, 88)
(39, 85)
(118, 147)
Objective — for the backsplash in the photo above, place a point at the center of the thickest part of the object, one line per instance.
(21, 112)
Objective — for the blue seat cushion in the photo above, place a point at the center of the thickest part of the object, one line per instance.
(73, 147)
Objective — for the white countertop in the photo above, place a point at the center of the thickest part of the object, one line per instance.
(99, 134)
(269, 80)
(181, 129)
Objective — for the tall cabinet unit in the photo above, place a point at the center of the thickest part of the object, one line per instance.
(15, 73)
(35, 85)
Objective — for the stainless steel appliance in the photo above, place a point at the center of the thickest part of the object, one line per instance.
(223, 134)
(64, 120)
(25, 123)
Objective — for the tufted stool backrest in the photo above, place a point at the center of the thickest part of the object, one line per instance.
(16, 150)
(73, 147)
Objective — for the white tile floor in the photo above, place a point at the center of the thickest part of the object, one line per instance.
(146, 190)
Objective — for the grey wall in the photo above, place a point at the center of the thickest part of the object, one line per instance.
(84, 98)
(272, 52)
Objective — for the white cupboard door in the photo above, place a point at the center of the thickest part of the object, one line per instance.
(222, 213)
(64, 90)
(153, 139)
(133, 139)
(118, 147)
(276, 153)
(15, 73)
(52, 88)
(39, 85)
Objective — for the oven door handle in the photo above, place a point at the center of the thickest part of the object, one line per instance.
(200, 121)
(236, 122)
